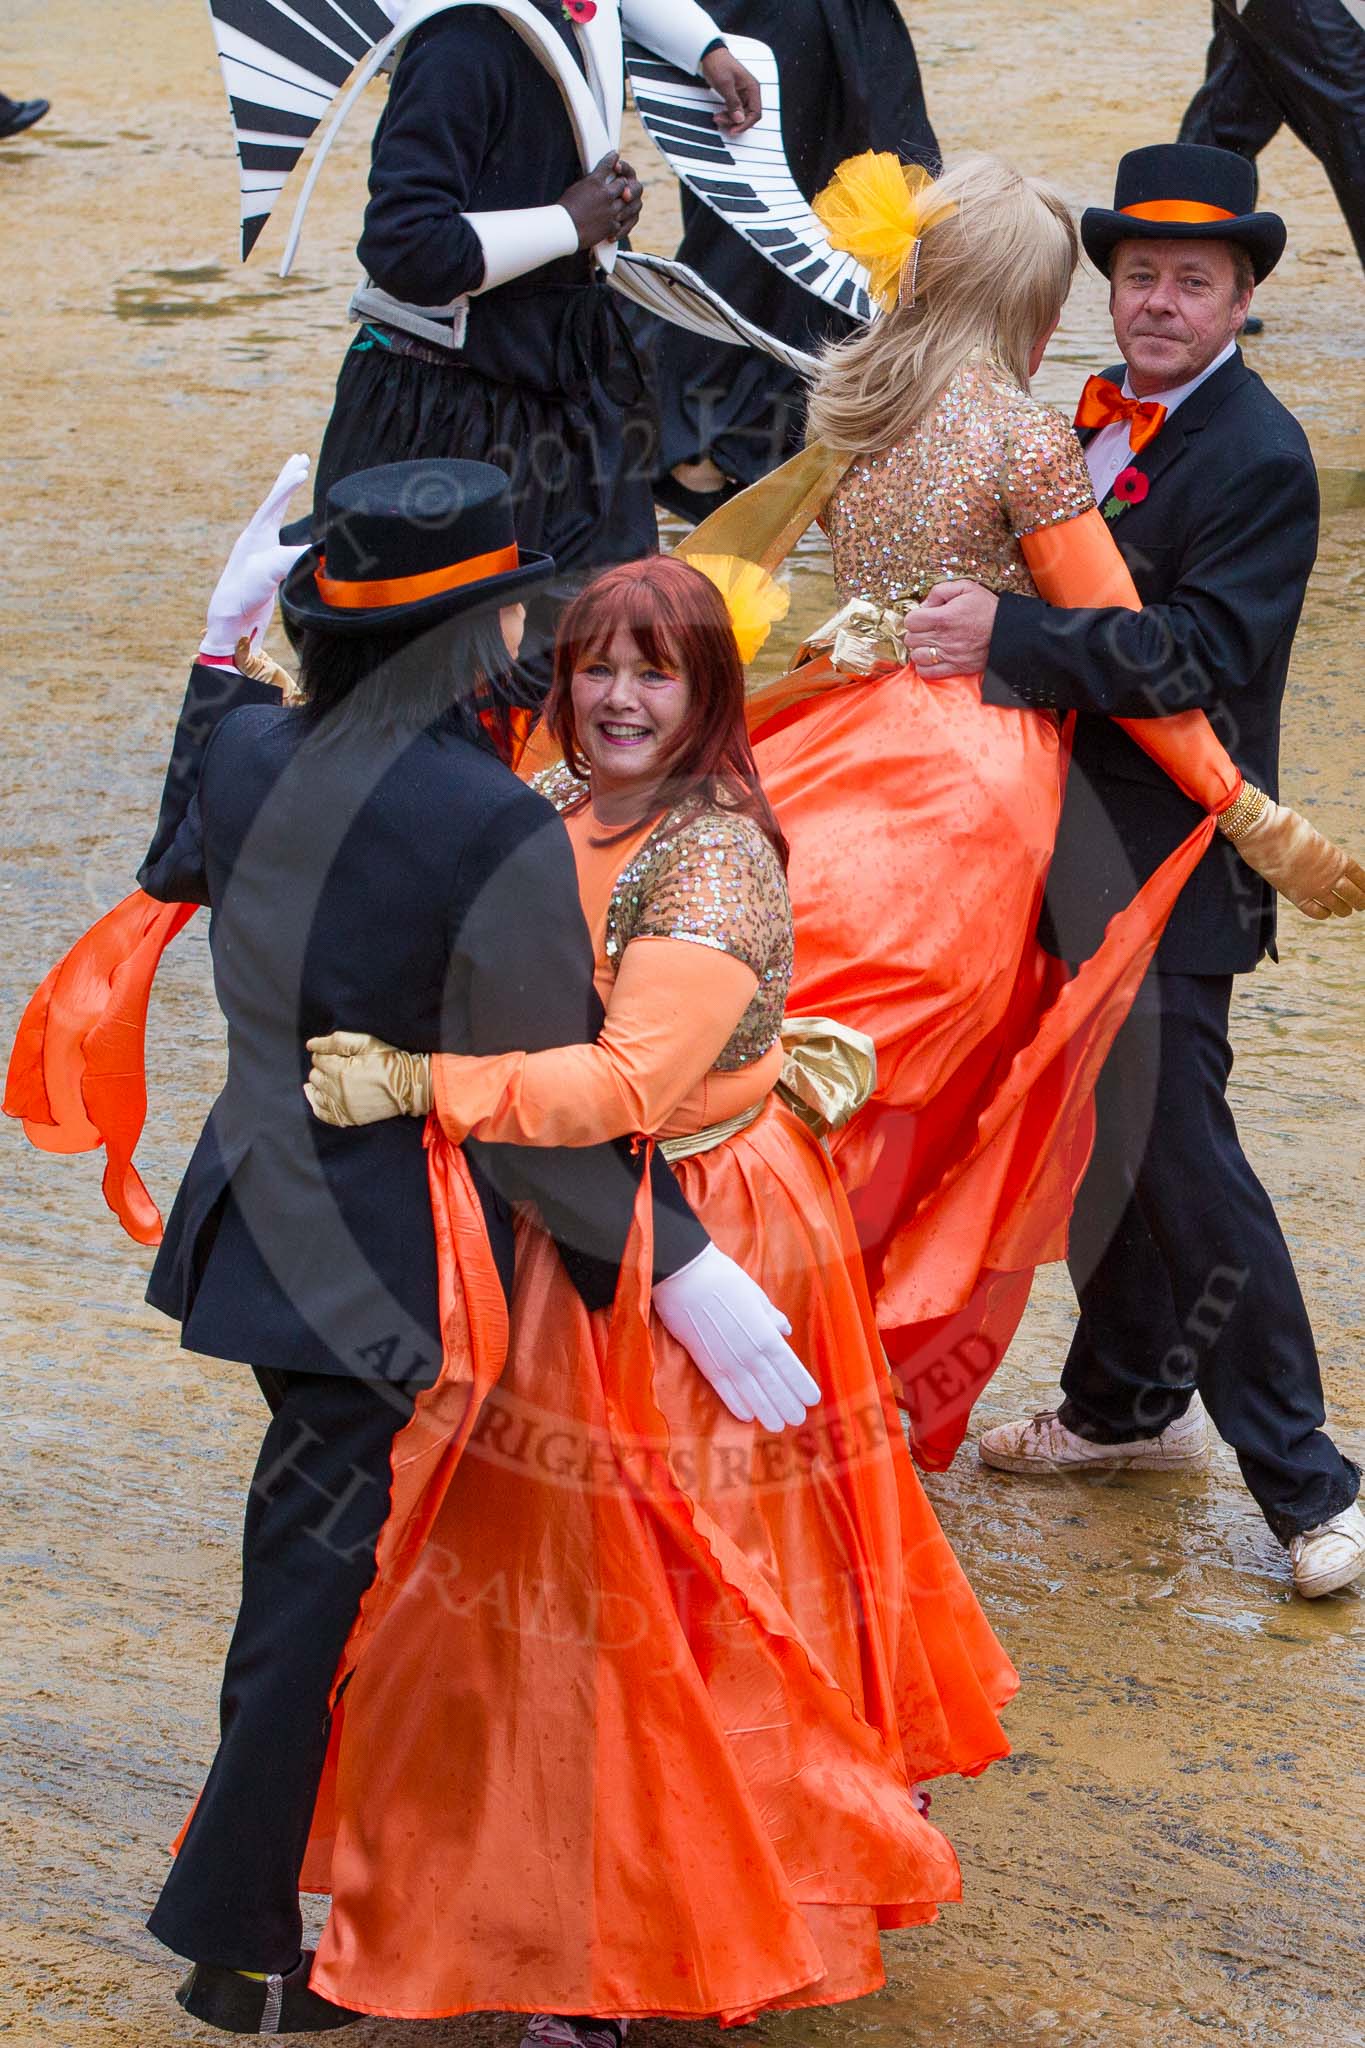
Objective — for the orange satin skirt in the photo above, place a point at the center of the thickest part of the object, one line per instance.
(640, 1730)
(922, 823)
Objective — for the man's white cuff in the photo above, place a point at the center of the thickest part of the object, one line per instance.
(676, 30)
(521, 239)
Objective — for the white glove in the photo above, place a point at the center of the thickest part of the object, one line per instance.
(735, 1338)
(241, 606)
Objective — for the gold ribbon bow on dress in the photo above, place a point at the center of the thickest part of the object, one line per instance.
(829, 1071)
(855, 633)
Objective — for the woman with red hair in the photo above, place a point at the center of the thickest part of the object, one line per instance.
(674, 1675)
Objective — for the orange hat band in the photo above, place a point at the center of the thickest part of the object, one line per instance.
(1192, 212)
(361, 597)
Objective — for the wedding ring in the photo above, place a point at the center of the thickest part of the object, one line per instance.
(934, 657)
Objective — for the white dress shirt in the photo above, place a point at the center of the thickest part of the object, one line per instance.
(1110, 450)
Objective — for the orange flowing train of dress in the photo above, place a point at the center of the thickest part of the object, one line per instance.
(637, 1728)
(921, 824)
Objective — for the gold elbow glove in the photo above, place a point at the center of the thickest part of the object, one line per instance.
(1289, 853)
(356, 1079)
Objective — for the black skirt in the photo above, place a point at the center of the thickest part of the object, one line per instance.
(580, 465)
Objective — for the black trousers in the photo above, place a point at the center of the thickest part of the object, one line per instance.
(1306, 60)
(1182, 1271)
(318, 1500)
(1232, 109)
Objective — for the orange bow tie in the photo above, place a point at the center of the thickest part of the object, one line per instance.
(1104, 405)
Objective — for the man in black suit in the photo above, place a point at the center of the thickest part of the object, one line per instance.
(1183, 1275)
(365, 854)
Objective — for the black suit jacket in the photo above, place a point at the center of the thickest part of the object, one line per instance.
(1220, 550)
(411, 888)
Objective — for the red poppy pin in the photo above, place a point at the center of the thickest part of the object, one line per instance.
(1130, 488)
(580, 12)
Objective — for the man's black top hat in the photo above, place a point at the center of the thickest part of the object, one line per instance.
(409, 545)
(1183, 191)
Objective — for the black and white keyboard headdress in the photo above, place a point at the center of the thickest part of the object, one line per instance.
(748, 180)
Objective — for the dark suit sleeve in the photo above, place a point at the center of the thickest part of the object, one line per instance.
(173, 867)
(523, 967)
(448, 103)
(1238, 591)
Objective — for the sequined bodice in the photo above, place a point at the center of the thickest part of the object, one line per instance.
(984, 466)
(713, 878)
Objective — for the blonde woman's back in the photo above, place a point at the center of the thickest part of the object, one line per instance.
(982, 466)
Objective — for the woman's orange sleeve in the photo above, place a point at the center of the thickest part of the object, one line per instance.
(1077, 564)
(673, 1010)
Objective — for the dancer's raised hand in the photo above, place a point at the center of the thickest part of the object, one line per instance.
(241, 606)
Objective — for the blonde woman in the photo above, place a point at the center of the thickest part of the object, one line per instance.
(922, 820)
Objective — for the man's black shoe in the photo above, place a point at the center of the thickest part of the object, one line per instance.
(16, 115)
(276, 2005)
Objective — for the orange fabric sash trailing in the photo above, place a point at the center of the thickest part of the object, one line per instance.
(77, 1073)
(428, 1450)
(1040, 1123)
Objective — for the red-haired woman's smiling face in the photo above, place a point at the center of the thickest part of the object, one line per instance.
(628, 714)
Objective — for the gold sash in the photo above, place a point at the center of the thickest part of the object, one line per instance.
(828, 1074)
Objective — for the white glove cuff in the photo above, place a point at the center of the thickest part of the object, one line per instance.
(676, 30)
(521, 239)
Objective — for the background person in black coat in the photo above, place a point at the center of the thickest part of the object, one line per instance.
(1180, 1266)
(850, 82)
(489, 330)
(366, 852)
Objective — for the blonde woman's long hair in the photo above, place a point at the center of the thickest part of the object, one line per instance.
(992, 276)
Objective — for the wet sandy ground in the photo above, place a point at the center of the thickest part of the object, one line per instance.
(1170, 1856)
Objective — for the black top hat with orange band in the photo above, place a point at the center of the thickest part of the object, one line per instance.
(1183, 191)
(409, 545)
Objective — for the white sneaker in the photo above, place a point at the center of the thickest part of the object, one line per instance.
(1046, 1445)
(1327, 1558)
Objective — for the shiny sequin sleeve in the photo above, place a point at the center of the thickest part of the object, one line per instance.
(714, 880)
(1045, 480)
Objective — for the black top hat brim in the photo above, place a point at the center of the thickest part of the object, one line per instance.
(303, 605)
(1262, 235)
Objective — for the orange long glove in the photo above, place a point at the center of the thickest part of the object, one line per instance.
(1078, 564)
(673, 1010)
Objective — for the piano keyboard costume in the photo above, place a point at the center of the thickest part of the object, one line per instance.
(847, 79)
(488, 333)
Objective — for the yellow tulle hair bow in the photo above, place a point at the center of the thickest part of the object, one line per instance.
(877, 209)
(754, 600)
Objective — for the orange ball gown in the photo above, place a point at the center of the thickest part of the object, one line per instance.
(635, 1714)
(922, 823)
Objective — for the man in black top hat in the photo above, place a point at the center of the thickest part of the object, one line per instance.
(366, 851)
(1183, 1275)
(1300, 62)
